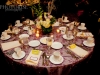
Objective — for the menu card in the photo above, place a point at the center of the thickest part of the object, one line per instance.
(33, 57)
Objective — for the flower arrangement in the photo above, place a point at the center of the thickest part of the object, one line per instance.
(45, 22)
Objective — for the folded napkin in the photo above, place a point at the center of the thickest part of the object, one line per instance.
(77, 50)
(84, 34)
(33, 57)
(9, 45)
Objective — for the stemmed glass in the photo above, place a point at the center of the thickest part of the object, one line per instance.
(49, 43)
(24, 42)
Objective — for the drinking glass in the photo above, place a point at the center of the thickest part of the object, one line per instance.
(49, 43)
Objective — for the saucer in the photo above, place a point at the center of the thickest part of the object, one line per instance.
(18, 25)
(87, 44)
(34, 43)
(5, 38)
(43, 40)
(23, 35)
(65, 37)
(56, 45)
(81, 28)
(65, 20)
(16, 57)
(57, 61)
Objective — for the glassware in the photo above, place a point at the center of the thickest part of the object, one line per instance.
(49, 43)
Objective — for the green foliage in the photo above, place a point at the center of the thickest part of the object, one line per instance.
(52, 20)
(37, 9)
(46, 30)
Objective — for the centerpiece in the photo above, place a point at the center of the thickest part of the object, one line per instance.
(45, 22)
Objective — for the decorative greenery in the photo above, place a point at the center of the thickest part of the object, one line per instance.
(52, 20)
(46, 30)
(37, 9)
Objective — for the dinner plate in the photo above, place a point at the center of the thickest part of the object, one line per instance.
(52, 60)
(87, 44)
(43, 40)
(65, 37)
(5, 38)
(34, 43)
(81, 28)
(23, 35)
(56, 45)
(18, 25)
(16, 57)
(25, 28)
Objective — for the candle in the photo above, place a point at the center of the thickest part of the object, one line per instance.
(58, 30)
(37, 35)
(37, 31)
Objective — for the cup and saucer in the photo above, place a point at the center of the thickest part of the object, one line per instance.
(18, 23)
(18, 53)
(68, 35)
(82, 26)
(56, 58)
(89, 42)
(5, 36)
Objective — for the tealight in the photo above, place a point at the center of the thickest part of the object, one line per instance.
(37, 35)
(58, 30)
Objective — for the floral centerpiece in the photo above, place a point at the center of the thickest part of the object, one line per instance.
(45, 22)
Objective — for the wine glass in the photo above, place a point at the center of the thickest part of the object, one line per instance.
(49, 43)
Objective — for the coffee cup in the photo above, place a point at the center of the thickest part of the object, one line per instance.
(18, 51)
(82, 25)
(4, 34)
(90, 40)
(17, 22)
(56, 55)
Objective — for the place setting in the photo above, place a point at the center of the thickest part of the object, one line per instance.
(89, 42)
(18, 23)
(82, 26)
(5, 36)
(18, 53)
(56, 58)
(68, 35)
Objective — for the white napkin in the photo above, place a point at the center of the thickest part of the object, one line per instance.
(9, 45)
(79, 51)
(84, 34)
(33, 59)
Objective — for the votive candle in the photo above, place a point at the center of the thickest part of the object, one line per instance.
(58, 30)
(37, 35)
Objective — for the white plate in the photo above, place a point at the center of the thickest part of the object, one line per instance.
(34, 43)
(57, 61)
(18, 25)
(25, 28)
(62, 28)
(65, 20)
(16, 57)
(5, 38)
(87, 44)
(23, 35)
(65, 37)
(81, 28)
(56, 45)
(43, 40)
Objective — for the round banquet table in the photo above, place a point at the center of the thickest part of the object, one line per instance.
(70, 60)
